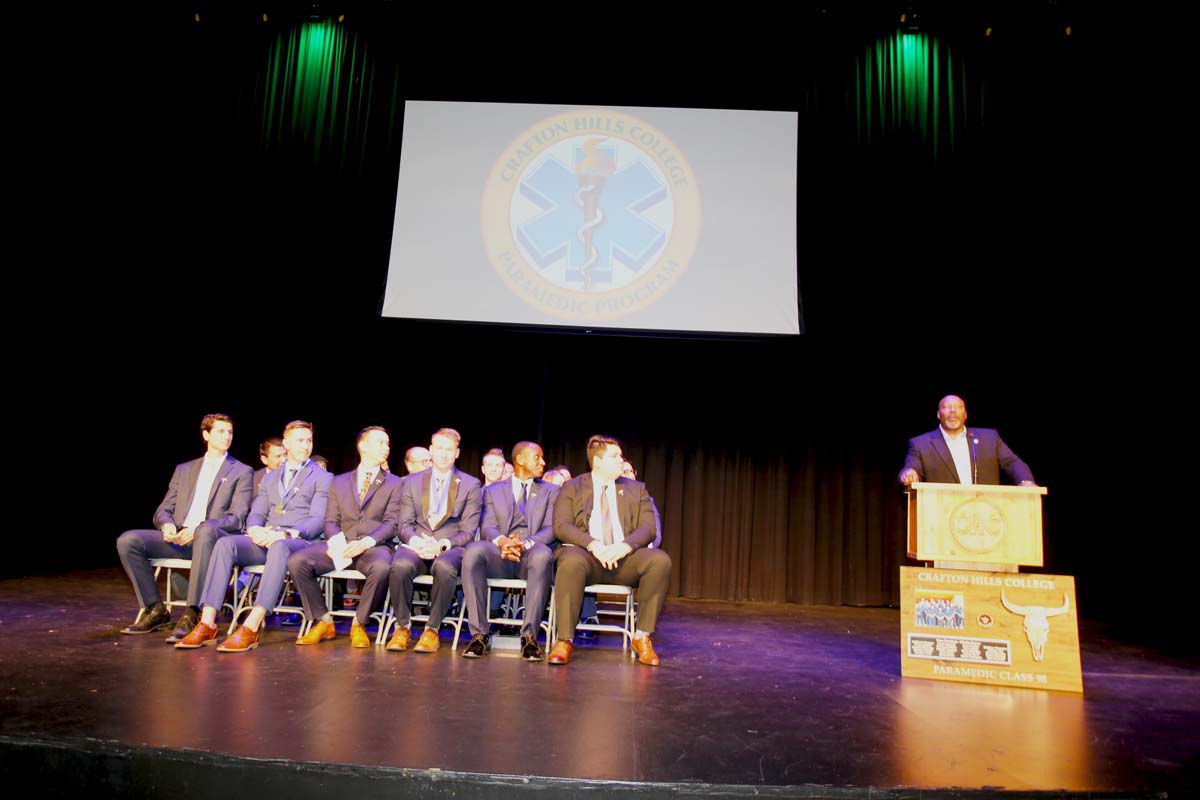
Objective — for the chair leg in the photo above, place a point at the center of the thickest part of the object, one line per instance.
(462, 614)
(384, 618)
(243, 603)
(627, 641)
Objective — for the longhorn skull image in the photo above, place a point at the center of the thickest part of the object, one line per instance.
(1037, 622)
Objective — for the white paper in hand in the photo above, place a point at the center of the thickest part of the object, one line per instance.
(335, 548)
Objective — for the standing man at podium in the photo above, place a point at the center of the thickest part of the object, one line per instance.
(951, 453)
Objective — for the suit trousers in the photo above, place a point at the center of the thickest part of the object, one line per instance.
(406, 566)
(240, 550)
(136, 548)
(313, 561)
(482, 561)
(647, 569)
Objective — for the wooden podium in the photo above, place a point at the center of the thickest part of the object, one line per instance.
(982, 622)
(998, 525)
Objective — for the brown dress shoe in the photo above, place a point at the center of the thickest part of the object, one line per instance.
(399, 640)
(319, 632)
(561, 652)
(645, 651)
(243, 639)
(428, 643)
(198, 636)
(358, 636)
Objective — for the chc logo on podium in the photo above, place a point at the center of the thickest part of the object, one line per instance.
(977, 525)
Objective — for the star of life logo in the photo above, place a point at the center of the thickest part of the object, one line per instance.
(591, 215)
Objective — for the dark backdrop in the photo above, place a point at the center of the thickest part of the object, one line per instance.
(210, 232)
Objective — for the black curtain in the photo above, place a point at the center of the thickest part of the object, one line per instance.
(224, 246)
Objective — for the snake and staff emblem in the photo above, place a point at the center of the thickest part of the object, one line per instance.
(592, 171)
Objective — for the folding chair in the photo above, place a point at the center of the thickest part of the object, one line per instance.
(627, 613)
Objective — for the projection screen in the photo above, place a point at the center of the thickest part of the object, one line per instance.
(656, 219)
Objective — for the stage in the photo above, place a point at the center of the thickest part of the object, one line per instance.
(751, 699)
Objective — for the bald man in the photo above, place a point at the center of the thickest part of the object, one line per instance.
(417, 459)
(952, 453)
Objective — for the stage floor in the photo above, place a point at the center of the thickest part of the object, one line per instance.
(748, 695)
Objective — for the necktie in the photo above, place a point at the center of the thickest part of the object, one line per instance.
(524, 498)
(366, 487)
(605, 517)
(287, 484)
(439, 498)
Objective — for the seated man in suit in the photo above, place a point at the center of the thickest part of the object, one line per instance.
(364, 505)
(492, 467)
(271, 453)
(952, 454)
(517, 535)
(608, 521)
(588, 614)
(439, 514)
(206, 499)
(287, 514)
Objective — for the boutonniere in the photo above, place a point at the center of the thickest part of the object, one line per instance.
(532, 495)
(224, 479)
(620, 491)
(457, 481)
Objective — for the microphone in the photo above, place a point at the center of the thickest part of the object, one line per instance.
(974, 459)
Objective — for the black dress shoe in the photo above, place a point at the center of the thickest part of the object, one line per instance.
(530, 651)
(292, 620)
(155, 618)
(478, 647)
(589, 635)
(186, 623)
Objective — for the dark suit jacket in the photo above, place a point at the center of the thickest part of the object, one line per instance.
(258, 476)
(228, 500)
(573, 512)
(463, 506)
(303, 506)
(500, 511)
(930, 457)
(377, 517)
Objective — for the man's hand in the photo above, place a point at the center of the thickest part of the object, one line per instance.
(264, 537)
(511, 549)
(426, 546)
(909, 475)
(356, 548)
(184, 537)
(168, 532)
(609, 555)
